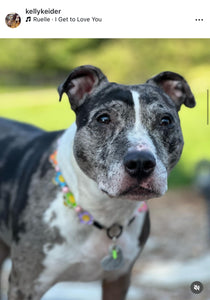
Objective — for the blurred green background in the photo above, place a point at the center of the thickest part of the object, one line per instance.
(31, 70)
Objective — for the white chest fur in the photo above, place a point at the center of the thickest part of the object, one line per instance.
(79, 257)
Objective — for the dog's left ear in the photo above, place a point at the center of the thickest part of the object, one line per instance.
(81, 82)
(175, 86)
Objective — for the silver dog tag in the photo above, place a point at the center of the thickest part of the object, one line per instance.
(114, 260)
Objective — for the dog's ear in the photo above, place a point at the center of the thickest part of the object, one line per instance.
(176, 87)
(80, 82)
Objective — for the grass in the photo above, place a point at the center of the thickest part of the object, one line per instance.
(38, 107)
(41, 107)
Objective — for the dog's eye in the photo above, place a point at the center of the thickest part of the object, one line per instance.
(104, 119)
(166, 121)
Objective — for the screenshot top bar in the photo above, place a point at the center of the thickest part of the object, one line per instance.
(108, 19)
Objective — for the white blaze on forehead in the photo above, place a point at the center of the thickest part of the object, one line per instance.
(139, 136)
(137, 108)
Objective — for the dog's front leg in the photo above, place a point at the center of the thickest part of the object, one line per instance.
(23, 284)
(19, 291)
(116, 289)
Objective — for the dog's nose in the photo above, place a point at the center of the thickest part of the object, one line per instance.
(139, 164)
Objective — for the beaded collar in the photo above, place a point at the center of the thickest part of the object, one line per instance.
(115, 259)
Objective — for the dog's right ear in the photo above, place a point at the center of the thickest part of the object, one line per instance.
(80, 82)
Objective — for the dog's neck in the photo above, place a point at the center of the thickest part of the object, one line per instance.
(86, 192)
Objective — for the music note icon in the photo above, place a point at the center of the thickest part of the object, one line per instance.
(28, 19)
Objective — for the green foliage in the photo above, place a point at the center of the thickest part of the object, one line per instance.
(43, 61)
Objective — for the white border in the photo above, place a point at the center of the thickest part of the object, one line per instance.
(121, 19)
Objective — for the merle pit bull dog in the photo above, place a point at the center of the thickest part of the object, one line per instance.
(92, 222)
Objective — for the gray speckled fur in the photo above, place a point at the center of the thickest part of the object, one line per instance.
(94, 145)
(21, 226)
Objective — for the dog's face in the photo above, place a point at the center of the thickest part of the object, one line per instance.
(128, 137)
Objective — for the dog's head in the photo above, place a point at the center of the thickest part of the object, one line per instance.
(128, 137)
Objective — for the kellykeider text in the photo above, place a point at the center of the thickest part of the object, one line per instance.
(38, 12)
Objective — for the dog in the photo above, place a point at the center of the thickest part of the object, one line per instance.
(91, 221)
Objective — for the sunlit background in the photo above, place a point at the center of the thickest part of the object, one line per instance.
(32, 69)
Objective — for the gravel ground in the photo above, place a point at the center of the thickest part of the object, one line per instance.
(176, 255)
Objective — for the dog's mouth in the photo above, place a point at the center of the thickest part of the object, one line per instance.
(139, 193)
(135, 192)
